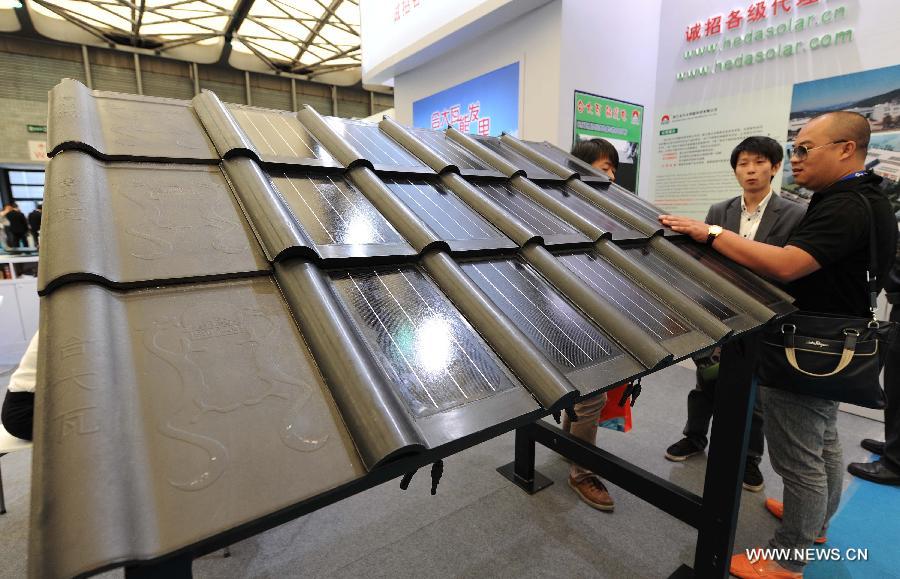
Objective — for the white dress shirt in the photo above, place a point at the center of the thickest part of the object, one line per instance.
(750, 219)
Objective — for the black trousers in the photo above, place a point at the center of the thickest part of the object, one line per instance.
(18, 414)
(701, 401)
(892, 392)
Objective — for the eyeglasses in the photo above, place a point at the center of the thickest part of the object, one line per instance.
(802, 151)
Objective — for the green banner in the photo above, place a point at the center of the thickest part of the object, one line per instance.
(619, 122)
(36, 128)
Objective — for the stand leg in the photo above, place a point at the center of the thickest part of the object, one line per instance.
(521, 471)
(735, 393)
(174, 568)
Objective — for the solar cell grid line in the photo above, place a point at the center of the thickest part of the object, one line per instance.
(709, 278)
(597, 216)
(333, 212)
(711, 302)
(465, 161)
(762, 291)
(569, 339)
(526, 210)
(633, 301)
(443, 211)
(373, 144)
(421, 339)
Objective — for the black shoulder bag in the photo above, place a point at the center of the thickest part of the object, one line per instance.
(829, 356)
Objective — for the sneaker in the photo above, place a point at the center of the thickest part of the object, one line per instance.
(592, 491)
(753, 478)
(743, 567)
(683, 450)
(777, 510)
(874, 446)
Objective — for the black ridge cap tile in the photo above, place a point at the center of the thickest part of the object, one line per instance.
(136, 224)
(194, 381)
(566, 159)
(119, 127)
(532, 170)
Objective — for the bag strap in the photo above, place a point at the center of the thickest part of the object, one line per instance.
(850, 338)
(872, 265)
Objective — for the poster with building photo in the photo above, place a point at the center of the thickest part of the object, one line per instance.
(875, 94)
(620, 123)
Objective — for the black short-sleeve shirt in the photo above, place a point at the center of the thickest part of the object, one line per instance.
(835, 231)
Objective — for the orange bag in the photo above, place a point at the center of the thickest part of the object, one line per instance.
(613, 416)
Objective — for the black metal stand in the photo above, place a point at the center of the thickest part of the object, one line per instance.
(715, 514)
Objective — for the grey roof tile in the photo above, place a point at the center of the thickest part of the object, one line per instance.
(142, 224)
(121, 127)
(158, 407)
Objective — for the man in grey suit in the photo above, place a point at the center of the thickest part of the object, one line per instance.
(761, 215)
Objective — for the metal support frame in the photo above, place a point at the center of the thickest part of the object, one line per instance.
(85, 58)
(249, 95)
(137, 74)
(195, 73)
(294, 95)
(334, 101)
(715, 514)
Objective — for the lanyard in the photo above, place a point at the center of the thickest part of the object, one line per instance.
(853, 175)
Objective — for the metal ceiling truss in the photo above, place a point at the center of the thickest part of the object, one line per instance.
(314, 53)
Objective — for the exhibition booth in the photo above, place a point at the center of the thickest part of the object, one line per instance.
(250, 314)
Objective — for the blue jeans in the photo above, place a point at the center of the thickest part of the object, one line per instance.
(806, 453)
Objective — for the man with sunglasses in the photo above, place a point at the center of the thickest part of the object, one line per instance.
(824, 264)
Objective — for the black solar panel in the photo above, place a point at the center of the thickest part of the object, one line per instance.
(531, 170)
(646, 311)
(332, 211)
(732, 272)
(443, 211)
(436, 358)
(562, 332)
(374, 145)
(591, 212)
(278, 134)
(453, 153)
(526, 210)
(682, 283)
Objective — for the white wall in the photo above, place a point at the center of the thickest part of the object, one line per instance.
(532, 39)
(609, 48)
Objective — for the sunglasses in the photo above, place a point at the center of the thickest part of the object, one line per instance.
(802, 151)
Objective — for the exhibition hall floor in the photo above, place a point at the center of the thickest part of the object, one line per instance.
(480, 525)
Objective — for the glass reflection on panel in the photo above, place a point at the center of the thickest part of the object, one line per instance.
(434, 344)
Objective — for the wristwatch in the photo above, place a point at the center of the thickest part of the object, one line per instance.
(713, 232)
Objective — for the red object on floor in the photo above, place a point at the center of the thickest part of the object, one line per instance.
(613, 416)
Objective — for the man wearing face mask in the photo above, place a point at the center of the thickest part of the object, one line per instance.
(824, 262)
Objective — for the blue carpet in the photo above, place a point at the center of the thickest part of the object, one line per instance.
(868, 518)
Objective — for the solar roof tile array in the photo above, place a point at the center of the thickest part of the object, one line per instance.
(290, 301)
